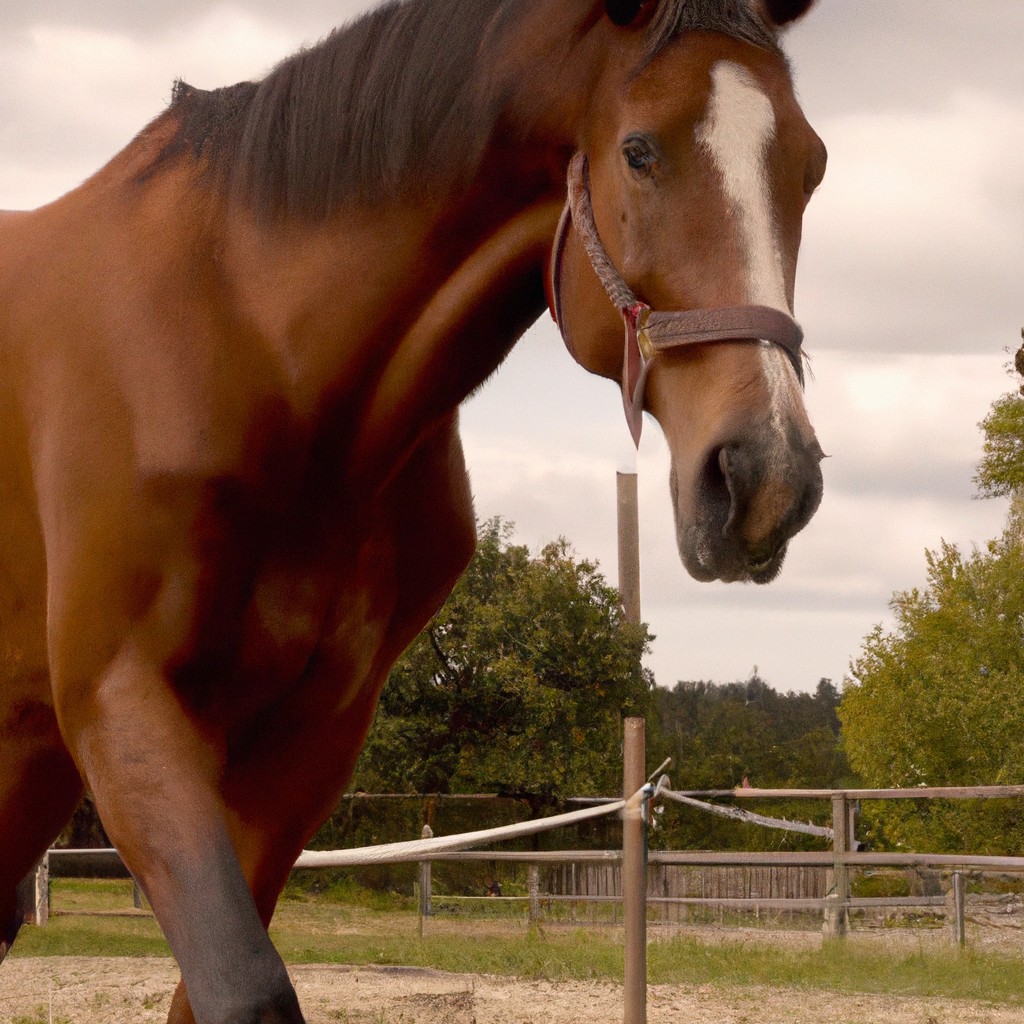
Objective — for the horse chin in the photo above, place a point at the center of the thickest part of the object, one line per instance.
(707, 558)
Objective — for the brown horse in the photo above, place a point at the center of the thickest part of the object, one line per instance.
(231, 483)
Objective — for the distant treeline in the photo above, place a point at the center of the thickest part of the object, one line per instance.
(721, 735)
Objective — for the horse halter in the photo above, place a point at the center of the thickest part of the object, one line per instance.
(649, 332)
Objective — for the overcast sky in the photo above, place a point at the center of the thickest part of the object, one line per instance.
(909, 290)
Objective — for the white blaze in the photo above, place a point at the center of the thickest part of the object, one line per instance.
(737, 130)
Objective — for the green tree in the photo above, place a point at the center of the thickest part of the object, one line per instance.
(518, 684)
(939, 699)
(1001, 469)
(720, 734)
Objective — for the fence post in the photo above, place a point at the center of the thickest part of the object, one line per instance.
(837, 916)
(34, 894)
(959, 925)
(629, 547)
(426, 906)
(533, 891)
(634, 876)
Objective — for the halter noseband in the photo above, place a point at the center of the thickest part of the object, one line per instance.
(649, 332)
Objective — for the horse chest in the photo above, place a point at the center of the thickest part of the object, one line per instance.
(297, 613)
(316, 618)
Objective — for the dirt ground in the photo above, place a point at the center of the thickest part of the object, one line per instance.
(97, 990)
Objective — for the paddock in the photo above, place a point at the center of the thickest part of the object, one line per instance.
(403, 986)
(99, 990)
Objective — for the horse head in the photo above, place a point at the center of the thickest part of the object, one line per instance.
(694, 165)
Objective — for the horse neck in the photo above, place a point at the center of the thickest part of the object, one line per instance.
(390, 311)
(406, 307)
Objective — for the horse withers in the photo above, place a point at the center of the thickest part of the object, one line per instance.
(231, 483)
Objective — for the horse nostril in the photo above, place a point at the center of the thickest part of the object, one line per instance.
(751, 495)
(741, 476)
(715, 489)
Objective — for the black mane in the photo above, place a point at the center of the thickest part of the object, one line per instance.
(406, 96)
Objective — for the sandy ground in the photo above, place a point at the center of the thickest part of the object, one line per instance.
(92, 990)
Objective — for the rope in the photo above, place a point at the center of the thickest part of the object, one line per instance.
(421, 849)
(583, 221)
(739, 814)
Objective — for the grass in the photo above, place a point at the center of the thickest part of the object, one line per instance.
(848, 966)
(325, 931)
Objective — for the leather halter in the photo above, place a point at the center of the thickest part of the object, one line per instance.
(649, 332)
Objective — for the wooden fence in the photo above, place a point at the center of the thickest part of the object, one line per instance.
(678, 881)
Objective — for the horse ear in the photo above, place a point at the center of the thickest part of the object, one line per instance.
(623, 12)
(781, 12)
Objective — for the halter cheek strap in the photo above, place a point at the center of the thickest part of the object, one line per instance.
(649, 332)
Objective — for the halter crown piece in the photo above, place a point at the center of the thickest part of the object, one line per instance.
(649, 332)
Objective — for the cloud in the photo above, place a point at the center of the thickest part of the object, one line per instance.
(74, 91)
(877, 55)
(152, 17)
(916, 240)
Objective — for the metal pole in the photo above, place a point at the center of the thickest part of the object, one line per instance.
(629, 546)
(634, 875)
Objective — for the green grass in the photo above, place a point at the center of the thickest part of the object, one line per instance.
(92, 936)
(324, 931)
(841, 967)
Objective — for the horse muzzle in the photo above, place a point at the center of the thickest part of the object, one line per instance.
(744, 500)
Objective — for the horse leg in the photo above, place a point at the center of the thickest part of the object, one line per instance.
(39, 789)
(154, 778)
(289, 782)
(266, 879)
(279, 798)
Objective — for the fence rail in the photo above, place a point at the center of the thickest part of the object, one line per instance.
(917, 793)
(89, 861)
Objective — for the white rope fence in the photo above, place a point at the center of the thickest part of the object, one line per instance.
(738, 814)
(421, 849)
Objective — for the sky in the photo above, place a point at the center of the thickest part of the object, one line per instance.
(909, 291)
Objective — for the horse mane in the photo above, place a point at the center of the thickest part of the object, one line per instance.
(404, 98)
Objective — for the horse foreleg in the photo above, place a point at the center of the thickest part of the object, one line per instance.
(154, 779)
(280, 794)
(266, 864)
(39, 788)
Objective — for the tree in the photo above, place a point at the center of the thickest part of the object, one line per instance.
(720, 734)
(518, 684)
(939, 700)
(1001, 469)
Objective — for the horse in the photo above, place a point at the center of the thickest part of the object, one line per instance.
(232, 488)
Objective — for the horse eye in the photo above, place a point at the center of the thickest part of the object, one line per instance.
(638, 156)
